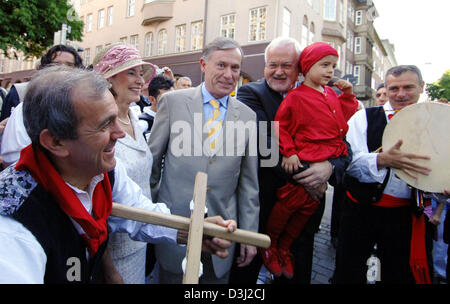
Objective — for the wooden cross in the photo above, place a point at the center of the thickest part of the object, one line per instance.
(195, 225)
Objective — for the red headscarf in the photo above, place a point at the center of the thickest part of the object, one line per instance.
(313, 53)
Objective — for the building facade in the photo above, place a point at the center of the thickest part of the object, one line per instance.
(173, 33)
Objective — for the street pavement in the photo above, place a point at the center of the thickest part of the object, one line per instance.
(324, 252)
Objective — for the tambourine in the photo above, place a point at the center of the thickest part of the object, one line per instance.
(424, 129)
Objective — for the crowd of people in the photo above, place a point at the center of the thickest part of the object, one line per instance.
(75, 139)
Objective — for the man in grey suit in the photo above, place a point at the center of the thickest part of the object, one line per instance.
(195, 130)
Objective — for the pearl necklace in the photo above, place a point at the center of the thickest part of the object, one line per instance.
(124, 122)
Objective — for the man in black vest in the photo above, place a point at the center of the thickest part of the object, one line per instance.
(281, 73)
(379, 207)
(56, 200)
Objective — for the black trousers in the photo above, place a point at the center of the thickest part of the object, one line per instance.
(363, 226)
(302, 249)
(337, 209)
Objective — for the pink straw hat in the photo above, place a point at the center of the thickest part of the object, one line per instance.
(119, 57)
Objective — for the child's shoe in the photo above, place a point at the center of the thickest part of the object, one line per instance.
(287, 263)
(270, 260)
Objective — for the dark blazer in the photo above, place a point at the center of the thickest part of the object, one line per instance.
(265, 102)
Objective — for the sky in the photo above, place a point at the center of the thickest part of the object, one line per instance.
(419, 30)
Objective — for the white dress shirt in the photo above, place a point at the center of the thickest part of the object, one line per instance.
(23, 260)
(364, 164)
(15, 136)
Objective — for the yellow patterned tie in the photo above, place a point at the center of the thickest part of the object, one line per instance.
(213, 126)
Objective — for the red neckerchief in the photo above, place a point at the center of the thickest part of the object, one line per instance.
(44, 173)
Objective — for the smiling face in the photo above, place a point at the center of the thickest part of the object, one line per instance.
(222, 70)
(321, 72)
(92, 152)
(281, 69)
(404, 89)
(128, 84)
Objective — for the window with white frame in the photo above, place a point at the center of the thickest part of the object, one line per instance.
(357, 73)
(348, 68)
(351, 12)
(312, 33)
(162, 42)
(310, 2)
(329, 10)
(339, 50)
(197, 35)
(257, 26)
(2, 65)
(228, 26)
(180, 38)
(123, 39)
(148, 44)
(101, 18)
(87, 57)
(130, 7)
(110, 15)
(305, 31)
(98, 48)
(341, 12)
(358, 47)
(358, 18)
(350, 39)
(134, 41)
(89, 23)
(286, 27)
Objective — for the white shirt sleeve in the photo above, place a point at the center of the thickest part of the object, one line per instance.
(364, 164)
(15, 136)
(22, 259)
(127, 192)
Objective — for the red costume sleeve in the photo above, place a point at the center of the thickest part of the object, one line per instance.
(285, 117)
(349, 105)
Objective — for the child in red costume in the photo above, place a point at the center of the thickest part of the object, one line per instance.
(312, 125)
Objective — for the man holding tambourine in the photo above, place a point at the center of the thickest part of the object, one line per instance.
(393, 167)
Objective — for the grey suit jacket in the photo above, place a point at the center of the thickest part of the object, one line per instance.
(178, 137)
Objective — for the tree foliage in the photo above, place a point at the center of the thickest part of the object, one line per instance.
(29, 26)
(441, 88)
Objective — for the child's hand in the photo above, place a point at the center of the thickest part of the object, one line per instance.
(291, 164)
(344, 86)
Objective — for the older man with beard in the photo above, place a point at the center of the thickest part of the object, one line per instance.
(281, 73)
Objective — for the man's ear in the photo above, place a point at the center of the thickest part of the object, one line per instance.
(202, 64)
(422, 85)
(53, 144)
(152, 100)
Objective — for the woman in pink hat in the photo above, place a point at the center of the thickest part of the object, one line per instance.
(123, 67)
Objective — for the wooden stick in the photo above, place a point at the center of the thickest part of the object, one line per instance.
(195, 236)
(180, 222)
